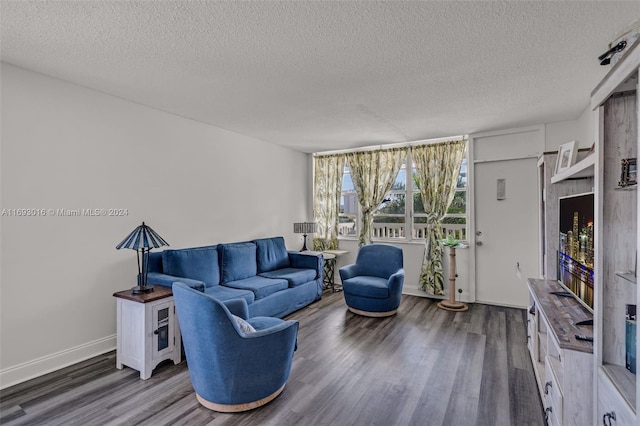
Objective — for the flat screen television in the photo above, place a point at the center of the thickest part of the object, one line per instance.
(575, 248)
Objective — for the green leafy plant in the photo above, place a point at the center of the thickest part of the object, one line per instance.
(450, 242)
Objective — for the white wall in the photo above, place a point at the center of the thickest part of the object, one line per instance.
(67, 147)
(580, 130)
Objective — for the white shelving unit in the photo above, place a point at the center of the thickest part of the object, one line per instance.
(577, 180)
(582, 169)
(571, 380)
(616, 389)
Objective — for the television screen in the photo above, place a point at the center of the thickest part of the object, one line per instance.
(575, 249)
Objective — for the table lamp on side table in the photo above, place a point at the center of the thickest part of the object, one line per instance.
(142, 240)
(304, 228)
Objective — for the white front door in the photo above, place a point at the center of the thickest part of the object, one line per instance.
(506, 230)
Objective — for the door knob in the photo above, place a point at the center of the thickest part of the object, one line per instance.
(478, 243)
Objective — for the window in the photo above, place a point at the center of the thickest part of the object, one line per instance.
(389, 222)
(455, 221)
(348, 218)
(401, 216)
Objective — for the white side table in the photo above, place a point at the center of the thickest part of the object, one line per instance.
(148, 331)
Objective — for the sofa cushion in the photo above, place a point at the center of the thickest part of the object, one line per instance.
(244, 326)
(223, 293)
(294, 276)
(271, 254)
(366, 286)
(199, 263)
(155, 262)
(238, 261)
(260, 286)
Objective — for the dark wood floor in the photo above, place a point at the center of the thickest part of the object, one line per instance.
(424, 366)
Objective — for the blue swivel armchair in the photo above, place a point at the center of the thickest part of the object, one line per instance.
(373, 285)
(233, 370)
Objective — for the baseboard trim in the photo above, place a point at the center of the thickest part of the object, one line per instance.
(504, 305)
(415, 291)
(30, 370)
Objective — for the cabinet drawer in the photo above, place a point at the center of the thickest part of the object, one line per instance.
(541, 324)
(551, 416)
(531, 332)
(552, 392)
(610, 402)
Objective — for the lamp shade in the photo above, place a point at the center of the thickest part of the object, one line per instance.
(304, 228)
(142, 237)
(142, 240)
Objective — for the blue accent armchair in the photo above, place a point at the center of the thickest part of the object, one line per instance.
(373, 285)
(232, 370)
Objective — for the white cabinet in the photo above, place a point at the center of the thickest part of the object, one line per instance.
(148, 331)
(552, 400)
(611, 409)
(563, 365)
(617, 390)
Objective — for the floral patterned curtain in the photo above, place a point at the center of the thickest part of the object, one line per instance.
(437, 169)
(373, 174)
(327, 186)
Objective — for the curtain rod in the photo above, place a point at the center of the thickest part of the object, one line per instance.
(393, 145)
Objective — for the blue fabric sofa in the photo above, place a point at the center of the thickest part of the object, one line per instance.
(273, 281)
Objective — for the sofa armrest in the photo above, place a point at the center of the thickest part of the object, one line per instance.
(157, 278)
(348, 271)
(276, 329)
(237, 307)
(306, 261)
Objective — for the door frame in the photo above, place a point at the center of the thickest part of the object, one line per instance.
(534, 152)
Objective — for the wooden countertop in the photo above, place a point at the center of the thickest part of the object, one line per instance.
(561, 314)
(159, 292)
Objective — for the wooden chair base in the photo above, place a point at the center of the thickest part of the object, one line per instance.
(372, 314)
(237, 408)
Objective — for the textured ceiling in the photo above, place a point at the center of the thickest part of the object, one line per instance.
(318, 76)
